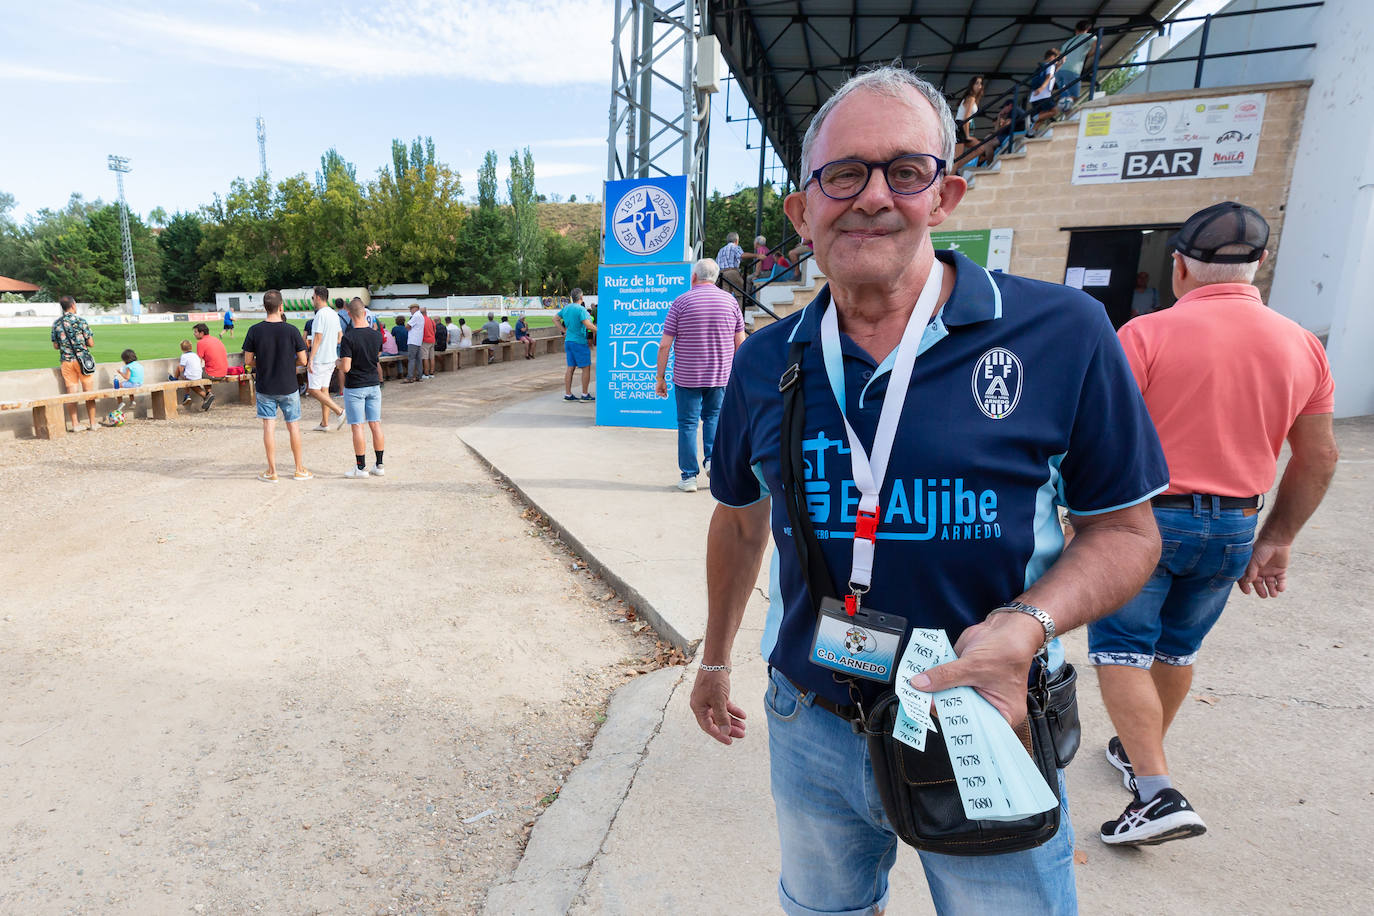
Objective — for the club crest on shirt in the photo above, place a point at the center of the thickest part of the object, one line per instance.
(997, 378)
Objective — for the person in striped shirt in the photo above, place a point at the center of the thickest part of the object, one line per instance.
(729, 258)
(704, 327)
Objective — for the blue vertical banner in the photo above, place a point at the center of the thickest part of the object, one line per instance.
(644, 270)
(632, 303)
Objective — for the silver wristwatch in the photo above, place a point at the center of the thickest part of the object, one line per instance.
(1020, 607)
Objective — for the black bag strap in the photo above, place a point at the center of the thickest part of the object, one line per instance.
(818, 580)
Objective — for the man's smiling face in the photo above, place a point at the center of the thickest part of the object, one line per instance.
(874, 237)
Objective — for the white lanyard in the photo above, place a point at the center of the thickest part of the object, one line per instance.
(870, 472)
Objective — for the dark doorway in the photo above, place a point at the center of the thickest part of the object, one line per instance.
(1104, 263)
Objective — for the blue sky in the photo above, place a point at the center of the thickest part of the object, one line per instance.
(176, 87)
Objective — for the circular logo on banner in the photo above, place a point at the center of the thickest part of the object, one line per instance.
(645, 220)
(997, 378)
(1156, 119)
(856, 640)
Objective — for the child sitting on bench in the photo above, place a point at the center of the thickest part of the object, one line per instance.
(130, 376)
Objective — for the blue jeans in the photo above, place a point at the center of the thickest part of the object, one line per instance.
(1204, 551)
(838, 846)
(695, 404)
(363, 405)
(290, 405)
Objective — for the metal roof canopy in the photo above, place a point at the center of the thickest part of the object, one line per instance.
(789, 56)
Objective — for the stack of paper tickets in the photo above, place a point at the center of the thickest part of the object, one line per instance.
(997, 779)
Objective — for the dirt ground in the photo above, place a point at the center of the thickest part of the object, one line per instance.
(332, 696)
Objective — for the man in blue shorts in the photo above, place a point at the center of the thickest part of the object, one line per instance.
(360, 351)
(1020, 401)
(228, 322)
(272, 349)
(575, 321)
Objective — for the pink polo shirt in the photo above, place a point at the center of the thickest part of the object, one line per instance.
(1224, 377)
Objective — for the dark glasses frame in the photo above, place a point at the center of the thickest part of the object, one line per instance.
(940, 166)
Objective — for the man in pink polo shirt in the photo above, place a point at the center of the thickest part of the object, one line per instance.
(1226, 381)
(704, 327)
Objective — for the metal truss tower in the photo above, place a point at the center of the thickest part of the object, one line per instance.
(659, 115)
(262, 147)
(119, 165)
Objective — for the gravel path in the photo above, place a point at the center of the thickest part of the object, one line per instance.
(334, 696)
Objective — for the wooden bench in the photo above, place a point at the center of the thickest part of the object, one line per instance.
(49, 422)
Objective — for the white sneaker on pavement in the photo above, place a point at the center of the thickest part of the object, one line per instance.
(687, 486)
(378, 471)
(354, 473)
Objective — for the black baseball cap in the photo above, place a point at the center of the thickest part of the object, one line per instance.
(1220, 225)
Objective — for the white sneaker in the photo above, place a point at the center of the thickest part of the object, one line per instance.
(355, 473)
(707, 466)
(687, 486)
(378, 471)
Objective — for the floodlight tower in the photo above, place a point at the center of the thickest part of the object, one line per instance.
(119, 165)
(262, 147)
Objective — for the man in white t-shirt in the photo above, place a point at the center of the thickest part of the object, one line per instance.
(507, 332)
(325, 332)
(415, 337)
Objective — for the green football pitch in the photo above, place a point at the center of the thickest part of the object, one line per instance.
(31, 348)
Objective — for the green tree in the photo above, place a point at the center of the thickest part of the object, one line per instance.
(483, 263)
(182, 261)
(565, 260)
(528, 242)
(412, 218)
(736, 213)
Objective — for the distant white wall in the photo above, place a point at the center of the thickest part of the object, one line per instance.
(1326, 256)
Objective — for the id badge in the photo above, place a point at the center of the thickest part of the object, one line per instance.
(864, 645)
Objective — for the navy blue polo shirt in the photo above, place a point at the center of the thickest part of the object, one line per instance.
(1021, 401)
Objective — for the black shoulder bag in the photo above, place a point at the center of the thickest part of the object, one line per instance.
(84, 359)
(918, 788)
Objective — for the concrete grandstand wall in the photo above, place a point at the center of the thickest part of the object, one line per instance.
(1035, 197)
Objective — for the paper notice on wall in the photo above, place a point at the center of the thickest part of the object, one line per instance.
(1074, 277)
(1097, 278)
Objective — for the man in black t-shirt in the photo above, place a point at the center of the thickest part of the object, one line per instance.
(273, 348)
(359, 354)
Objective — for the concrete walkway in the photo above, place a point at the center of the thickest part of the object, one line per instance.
(1272, 746)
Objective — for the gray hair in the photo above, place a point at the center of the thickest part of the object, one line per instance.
(1206, 272)
(732, 237)
(893, 81)
(760, 240)
(706, 270)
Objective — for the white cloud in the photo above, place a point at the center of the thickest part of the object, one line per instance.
(9, 71)
(531, 42)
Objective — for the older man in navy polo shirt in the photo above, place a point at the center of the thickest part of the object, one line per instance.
(1014, 399)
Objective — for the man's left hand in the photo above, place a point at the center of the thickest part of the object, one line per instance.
(661, 388)
(994, 659)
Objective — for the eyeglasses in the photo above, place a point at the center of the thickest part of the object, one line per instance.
(844, 179)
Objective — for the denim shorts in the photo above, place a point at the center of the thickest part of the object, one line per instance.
(578, 354)
(1204, 551)
(838, 846)
(290, 405)
(363, 405)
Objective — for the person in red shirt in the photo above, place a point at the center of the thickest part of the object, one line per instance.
(427, 345)
(213, 356)
(1226, 381)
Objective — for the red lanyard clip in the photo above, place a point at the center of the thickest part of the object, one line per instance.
(866, 526)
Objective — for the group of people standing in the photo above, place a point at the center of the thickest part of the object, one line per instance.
(273, 349)
(1054, 87)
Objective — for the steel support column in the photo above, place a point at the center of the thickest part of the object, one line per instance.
(659, 120)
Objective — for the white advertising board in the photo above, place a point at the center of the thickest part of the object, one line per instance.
(1178, 138)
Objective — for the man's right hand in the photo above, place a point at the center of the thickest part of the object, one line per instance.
(1267, 573)
(716, 715)
(661, 388)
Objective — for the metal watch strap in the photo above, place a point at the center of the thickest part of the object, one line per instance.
(1020, 607)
